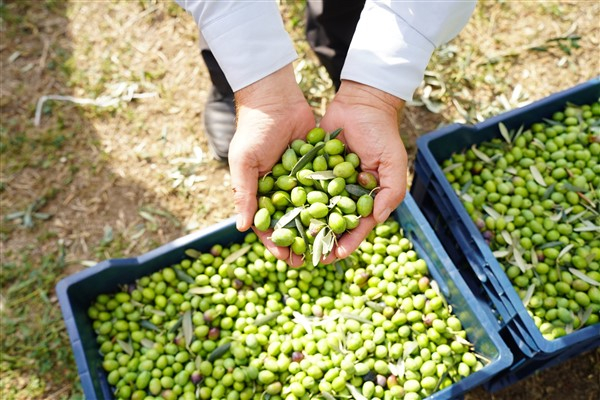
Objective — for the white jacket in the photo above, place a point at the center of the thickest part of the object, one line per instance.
(390, 49)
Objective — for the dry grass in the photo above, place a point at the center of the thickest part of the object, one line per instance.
(95, 183)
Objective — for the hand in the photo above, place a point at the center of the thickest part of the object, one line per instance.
(370, 121)
(271, 113)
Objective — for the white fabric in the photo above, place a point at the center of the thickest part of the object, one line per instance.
(390, 50)
(394, 41)
(247, 38)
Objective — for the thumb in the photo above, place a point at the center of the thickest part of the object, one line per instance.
(386, 202)
(244, 183)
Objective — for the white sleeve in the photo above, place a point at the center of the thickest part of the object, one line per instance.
(394, 41)
(247, 38)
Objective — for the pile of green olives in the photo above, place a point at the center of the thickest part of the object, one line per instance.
(314, 194)
(535, 196)
(236, 323)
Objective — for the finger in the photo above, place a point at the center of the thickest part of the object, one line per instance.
(281, 253)
(392, 188)
(295, 260)
(386, 201)
(244, 183)
(330, 258)
(352, 239)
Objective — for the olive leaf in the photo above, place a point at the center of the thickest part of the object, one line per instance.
(550, 244)
(534, 257)
(501, 253)
(375, 306)
(357, 190)
(491, 212)
(355, 392)
(305, 159)
(481, 155)
(588, 228)
(183, 276)
(333, 201)
(397, 369)
(321, 175)
(584, 277)
(466, 197)
(466, 187)
(265, 319)
(463, 341)
(519, 132)
(519, 260)
(192, 253)
(507, 238)
(188, 328)
(335, 133)
(219, 352)
(317, 248)
(328, 242)
(548, 192)
(126, 346)
(504, 132)
(357, 318)
(529, 294)
(301, 229)
(590, 257)
(303, 321)
(551, 121)
(564, 251)
(176, 325)
(575, 217)
(288, 217)
(439, 382)
(237, 254)
(201, 291)
(147, 343)
(327, 396)
(583, 317)
(538, 143)
(569, 326)
(160, 313)
(452, 167)
(573, 188)
(537, 176)
(482, 358)
(409, 348)
(148, 325)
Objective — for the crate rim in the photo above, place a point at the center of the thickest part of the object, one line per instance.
(518, 313)
(502, 362)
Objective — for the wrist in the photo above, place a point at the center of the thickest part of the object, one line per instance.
(277, 88)
(359, 93)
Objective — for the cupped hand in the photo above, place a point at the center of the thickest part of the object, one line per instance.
(370, 121)
(271, 113)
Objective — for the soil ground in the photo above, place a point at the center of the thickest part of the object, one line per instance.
(93, 182)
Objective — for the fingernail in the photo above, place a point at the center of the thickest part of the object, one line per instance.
(384, 215)
(240, 223)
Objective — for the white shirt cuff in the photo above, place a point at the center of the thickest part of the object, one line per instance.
(397, 63)
(248, 39)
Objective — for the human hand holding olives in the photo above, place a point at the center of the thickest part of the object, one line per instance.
(271, 113)
(370, 121)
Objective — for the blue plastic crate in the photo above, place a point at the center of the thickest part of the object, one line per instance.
(467, 247)
(76, 292)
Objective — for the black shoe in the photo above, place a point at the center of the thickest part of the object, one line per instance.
(219, 123)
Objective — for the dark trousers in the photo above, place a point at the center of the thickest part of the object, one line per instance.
(330, 25)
